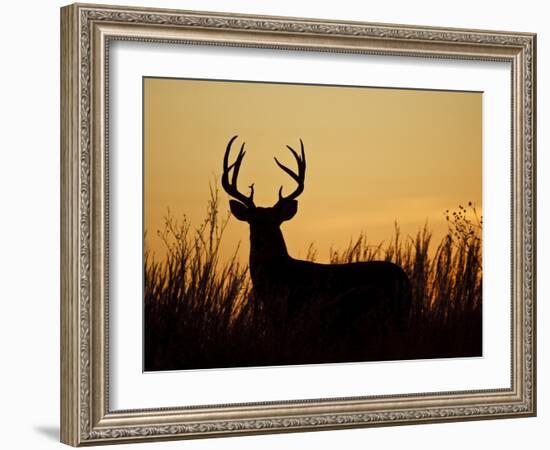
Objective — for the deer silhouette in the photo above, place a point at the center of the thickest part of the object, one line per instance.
(286, 286)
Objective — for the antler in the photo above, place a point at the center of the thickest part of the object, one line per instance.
(231, 187)
(298, 177)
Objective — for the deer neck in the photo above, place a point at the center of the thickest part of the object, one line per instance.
(268, 252)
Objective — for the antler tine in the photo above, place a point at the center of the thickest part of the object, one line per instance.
(288, 171)
(303, 156)
(231, 187)
(298, 177)
(237, 166)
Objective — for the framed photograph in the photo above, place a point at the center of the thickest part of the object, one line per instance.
(276, 224)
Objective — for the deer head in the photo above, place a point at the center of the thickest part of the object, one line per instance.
(264, 221)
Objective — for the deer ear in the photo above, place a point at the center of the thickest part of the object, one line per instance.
(287, 209)
(239, 210)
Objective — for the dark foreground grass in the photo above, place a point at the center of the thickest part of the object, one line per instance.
(200, 312)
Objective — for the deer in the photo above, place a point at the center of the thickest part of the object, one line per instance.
(287, 287)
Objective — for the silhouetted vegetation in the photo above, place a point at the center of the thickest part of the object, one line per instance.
(200, 312)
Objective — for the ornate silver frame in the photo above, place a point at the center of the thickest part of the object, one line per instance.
(86, 31)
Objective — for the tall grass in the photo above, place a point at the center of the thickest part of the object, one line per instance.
(200, 312)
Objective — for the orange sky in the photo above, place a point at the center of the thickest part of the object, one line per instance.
(374, 156)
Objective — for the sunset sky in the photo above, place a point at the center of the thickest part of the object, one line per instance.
(374, 156)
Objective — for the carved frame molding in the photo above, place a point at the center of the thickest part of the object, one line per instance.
(86, 31)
